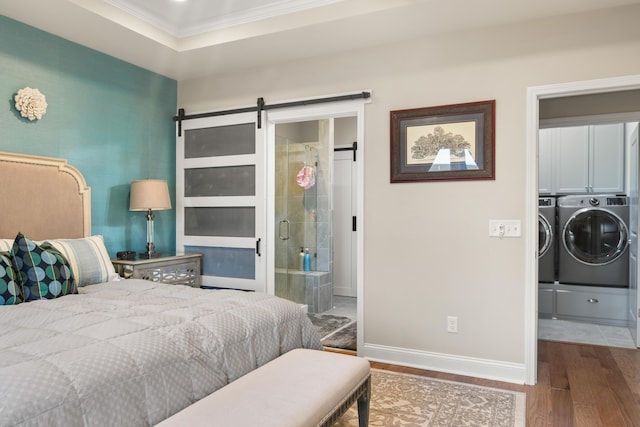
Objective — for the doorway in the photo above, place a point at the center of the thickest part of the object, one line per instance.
(315, 210)
(304, 265)
(534, 95)
(301, 225)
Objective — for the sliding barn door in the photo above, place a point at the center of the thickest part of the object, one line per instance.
(220, 199)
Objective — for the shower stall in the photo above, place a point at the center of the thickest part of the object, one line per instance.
(303, 211)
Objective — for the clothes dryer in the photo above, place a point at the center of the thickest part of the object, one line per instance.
(546, 239)
(594, 239)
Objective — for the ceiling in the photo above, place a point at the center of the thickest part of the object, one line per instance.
(193, 38)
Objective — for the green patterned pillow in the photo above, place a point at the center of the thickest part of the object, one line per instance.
(43, 271)
(10, 290)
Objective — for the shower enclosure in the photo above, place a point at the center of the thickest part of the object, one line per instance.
(303, 160)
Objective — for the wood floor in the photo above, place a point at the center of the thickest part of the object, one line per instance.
(578, 385)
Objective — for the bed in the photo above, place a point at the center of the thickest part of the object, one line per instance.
(117, 352)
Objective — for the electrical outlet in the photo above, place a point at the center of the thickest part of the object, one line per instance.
(452, 324)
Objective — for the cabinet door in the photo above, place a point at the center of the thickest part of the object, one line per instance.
(545, 159)
(572, 167)
(606, 165)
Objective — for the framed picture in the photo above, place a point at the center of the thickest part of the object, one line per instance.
(448, 142)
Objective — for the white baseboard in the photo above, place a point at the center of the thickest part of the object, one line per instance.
(460, 365)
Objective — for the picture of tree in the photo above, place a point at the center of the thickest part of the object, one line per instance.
(430, 144)
(443, 143)
(426, 142)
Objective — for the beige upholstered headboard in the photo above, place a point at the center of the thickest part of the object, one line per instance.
(43, 197)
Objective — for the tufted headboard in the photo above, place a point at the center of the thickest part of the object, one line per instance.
(43, 197)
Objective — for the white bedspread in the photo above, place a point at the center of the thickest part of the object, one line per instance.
(133, 352)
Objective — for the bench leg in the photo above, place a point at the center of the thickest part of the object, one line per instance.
(363, 405)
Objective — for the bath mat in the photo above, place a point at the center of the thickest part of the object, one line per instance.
(327, 324)
(344, 338)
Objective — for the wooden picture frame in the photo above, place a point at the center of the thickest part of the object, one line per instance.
(449, 142)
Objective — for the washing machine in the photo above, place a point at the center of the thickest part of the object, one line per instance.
(546, 239)
(593, 241)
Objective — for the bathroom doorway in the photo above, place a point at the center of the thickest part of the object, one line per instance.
(303, 213)
(302, 202)
(315, 212)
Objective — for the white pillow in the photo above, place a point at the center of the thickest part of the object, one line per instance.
(88, 258)
(6, 245)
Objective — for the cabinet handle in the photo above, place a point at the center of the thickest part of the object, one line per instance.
(592, 300)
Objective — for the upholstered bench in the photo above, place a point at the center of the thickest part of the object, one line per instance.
(298, 389)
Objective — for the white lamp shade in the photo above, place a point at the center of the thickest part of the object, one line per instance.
(149, 194)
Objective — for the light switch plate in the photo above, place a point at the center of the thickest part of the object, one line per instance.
(505, 228)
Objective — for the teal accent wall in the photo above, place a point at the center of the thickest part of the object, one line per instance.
(110, 119)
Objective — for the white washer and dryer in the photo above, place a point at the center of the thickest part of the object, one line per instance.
(593, 241)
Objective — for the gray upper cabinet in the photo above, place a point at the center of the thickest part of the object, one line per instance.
(582, 159)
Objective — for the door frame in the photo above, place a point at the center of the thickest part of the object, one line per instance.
(534, 95)
(633, 304)
(317, 112)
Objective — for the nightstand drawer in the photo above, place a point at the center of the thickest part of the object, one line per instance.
(175, 270)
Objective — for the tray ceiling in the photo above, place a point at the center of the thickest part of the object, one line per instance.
(193, 38)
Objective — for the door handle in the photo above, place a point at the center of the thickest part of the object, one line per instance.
(258, 246)
(286, 225)
(592, 300)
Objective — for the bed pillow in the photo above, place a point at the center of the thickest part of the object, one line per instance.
(6, 245)
(10, 289)
(43, 272)
(89, 259)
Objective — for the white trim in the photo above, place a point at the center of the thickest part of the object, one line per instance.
(459, 365)
(220, 242)
(180, 28)
(206, 162)
(534, 94)
(590, 120)
(234, 201)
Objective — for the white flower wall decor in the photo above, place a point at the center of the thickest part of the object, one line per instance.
(31, 103)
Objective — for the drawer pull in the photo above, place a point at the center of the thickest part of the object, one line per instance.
(592, 300)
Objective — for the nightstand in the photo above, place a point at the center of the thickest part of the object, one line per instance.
(175, 270)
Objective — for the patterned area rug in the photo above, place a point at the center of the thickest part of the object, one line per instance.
(410, 400)
(335, 331)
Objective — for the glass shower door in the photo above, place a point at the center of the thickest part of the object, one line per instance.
(303, 214)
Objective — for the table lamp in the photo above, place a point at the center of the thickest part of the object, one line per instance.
(149, 195)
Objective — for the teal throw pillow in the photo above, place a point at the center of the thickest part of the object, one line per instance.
(10, 289)
(43, 272)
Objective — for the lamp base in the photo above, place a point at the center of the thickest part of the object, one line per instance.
(150, 252)
(149, 255)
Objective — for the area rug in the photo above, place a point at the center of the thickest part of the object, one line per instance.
(335, 331)
(344, 338)
(410, 400)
